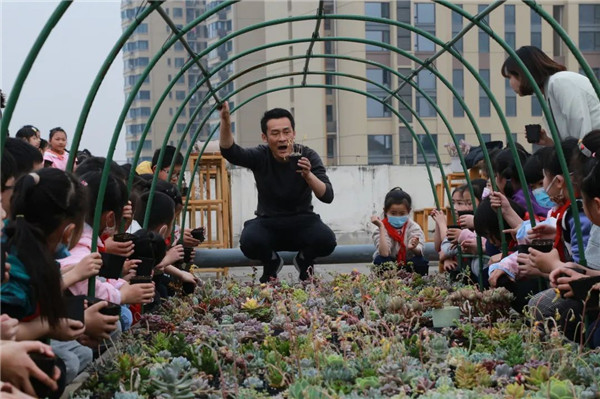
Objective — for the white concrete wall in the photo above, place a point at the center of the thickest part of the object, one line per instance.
(359, 192)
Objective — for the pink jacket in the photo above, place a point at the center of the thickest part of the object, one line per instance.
(108, 290)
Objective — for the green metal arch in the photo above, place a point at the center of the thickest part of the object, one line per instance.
(428, 98)
(549, 120)
(13, 97)
(169, 130)
(447, 47)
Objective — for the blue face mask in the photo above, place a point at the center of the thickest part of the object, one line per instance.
(542, 198)
(61, 251)
(397, 221)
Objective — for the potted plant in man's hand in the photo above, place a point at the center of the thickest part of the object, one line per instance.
(296, 154)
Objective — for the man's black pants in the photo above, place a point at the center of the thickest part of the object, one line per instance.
(304, 232)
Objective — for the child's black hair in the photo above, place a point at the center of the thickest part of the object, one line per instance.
(276, 113)
(397, 196)
(9, 169)
(27, 132)
(169, 152)
(41, 203)
(533, 167)
(590, 184)
(161, 213)
(96, 164)
(145, 184)
(550, 161)
(115, 196)
(43, 144)
(486, 219)
(505, 166)
(478, 186)
(149, 245)
(24, 154)
(56, 130)
(587, 164)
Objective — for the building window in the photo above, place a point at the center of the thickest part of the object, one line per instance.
(426, 81)
(180, 127)
(141, 29)
(457, 25)
(425, 20)
(509, 25)
(375, 109)
(177, 12)
(143, 95)
(589, 27)
(180, 95)
(329, 112)
(558, 13)
(484, 100)
(406, 145)
(329, 81)
(331, 142)
(484, 38)
(536, 29)
(178, 46)
(380, 34)
(536, 108)
(459, 85)
(179, 62)
(428, 148)
(486, 137)
(377, 10)
(139, 112)
(511, 99)
(380, 149)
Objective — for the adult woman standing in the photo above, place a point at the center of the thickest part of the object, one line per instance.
(571, 97)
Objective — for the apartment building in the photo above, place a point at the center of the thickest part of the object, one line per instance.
(345, 127)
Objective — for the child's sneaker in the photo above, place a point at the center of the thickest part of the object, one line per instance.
(305, 268)
(271, 269)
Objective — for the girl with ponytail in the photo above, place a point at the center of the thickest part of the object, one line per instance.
(47, 214)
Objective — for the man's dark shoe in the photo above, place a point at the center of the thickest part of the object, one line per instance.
(271, 269)
(305, 268)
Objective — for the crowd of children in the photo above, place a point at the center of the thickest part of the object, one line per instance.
(48, 257)
(524, 224)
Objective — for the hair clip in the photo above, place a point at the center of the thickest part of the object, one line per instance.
(586, 151)
(35, 176)
(83, 183)
(20, 216)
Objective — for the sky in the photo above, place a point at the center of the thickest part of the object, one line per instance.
(58, 83)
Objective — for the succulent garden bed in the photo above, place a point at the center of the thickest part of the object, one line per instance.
(356, 336)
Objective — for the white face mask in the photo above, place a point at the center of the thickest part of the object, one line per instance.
(109, 230)
(486, 192)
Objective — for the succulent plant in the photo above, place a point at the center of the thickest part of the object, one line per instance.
(174, 380)
(432, 297)
(559, 389)
(469, 375)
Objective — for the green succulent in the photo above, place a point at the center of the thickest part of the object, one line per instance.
(469, 375)
(513, 344)
(537, 376)
(558, 389)
(173, 381)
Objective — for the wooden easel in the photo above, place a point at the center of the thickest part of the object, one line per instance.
(210, 203)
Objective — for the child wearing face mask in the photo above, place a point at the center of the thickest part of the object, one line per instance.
(566, 246)
(397, 237)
